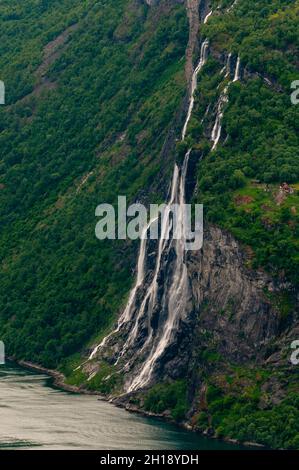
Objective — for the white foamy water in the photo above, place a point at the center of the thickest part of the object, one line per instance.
(223, 100)
(177, 295)
(201, 63)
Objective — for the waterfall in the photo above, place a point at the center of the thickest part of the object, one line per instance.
(207, 17)
(165, 298)
(177, 294)
(202, 61)
(232, 6)
(216, 131)
(140, 278)
(223, 100)
(151, 294)
(228, 64)
(237, 71)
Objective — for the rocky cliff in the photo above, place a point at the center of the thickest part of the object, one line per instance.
(230, 299)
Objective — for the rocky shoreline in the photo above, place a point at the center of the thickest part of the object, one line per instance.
(59, 379)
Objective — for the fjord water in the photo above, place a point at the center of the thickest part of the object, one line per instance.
(34, 415)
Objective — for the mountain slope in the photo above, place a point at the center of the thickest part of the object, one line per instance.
(102, 117)
(97, 95)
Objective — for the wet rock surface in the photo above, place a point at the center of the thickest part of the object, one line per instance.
(229, 299)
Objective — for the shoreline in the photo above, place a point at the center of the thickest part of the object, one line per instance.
(59, 381)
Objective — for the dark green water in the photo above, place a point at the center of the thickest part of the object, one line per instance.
(35, 415)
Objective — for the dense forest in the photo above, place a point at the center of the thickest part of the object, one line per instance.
(95, 95)
(100, 112)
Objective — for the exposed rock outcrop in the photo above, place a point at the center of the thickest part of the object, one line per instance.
(229, 299)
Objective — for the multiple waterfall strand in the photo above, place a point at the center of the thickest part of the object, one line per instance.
(173, 300)
(223, 100)
(237, 71)
(178, 292)
(139, 281)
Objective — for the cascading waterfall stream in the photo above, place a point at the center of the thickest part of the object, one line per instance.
(140, 278)
(177, 295)
(223, 100)
(216, 131)
(237, 71)
(202, 61)
(232, 6)
(169, 299)
(178, 290)
(151, 294)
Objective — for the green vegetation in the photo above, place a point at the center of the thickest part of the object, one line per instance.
(170, 397)
(105, 106)
(106, 380)
(240, 407)
(239, 185)
(260, 137)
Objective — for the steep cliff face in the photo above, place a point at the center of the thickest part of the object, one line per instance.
(231, 353)
(239, 374)
(230, 299)
(229, 311)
